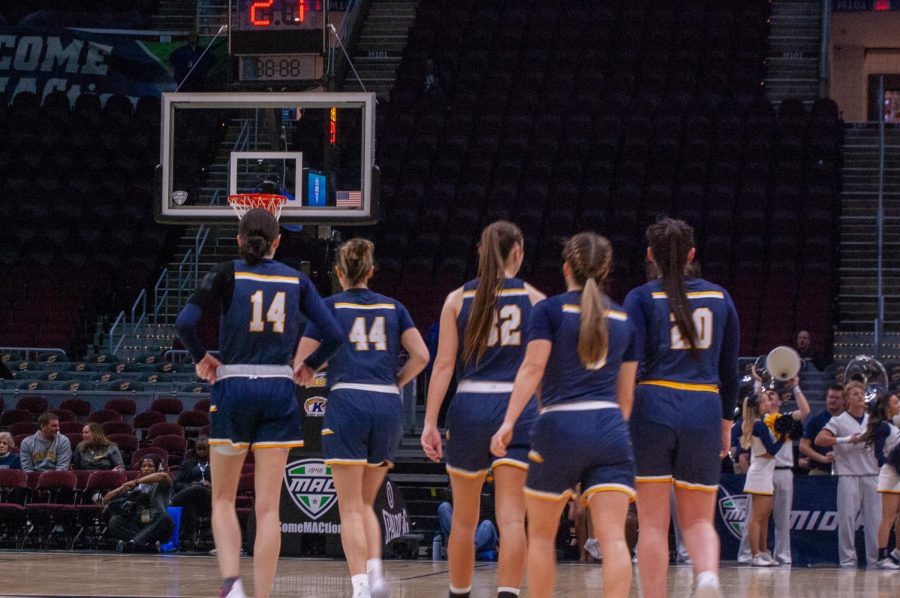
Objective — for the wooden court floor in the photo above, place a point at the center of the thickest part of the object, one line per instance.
(107, 574)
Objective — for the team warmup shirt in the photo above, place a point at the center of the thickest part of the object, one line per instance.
(811, 429)
(887, 436)
(506, 344)
(664, 355)
(852, 459)
(262, 310)
(370, 351)
(557, 319)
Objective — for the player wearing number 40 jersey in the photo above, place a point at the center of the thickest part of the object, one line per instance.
(362, 424)
(483, 328)
(253, 402)
(686, 341)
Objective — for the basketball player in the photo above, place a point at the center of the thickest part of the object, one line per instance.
(883, 432)
(580, 344)
(362, 424)
(857, 471)
(253, 402)
(483, 325)
(686, 339)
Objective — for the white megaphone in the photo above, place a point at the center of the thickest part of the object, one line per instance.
(783, 363)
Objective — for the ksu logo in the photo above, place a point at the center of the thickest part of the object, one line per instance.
(733, 511)
(310, 485)
(315, 406)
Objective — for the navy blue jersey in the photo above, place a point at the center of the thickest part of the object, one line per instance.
(506, 343)
(372, 325)
(262, 310)
(557, 319)
(665, 356)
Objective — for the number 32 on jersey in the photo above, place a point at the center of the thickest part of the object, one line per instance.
(703, 327)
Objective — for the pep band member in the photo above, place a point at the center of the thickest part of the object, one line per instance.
(483, 325)
(686, 339)
(363, 421)
(581, 346)
(253, 401)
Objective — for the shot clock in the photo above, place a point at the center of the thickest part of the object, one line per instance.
(278, 40)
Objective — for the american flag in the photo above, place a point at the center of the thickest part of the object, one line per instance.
(348, 199)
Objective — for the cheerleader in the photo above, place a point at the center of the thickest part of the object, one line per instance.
(483, 328)
(883, 431)
(765, 433)
(581, 346)
(363, 421)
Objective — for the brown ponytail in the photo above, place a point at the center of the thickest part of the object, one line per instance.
(355, 260)
(589, 257)
(750, 414)
(671, 241)
(258, 230)
(497, 241)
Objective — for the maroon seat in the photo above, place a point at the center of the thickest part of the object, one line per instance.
(126, 407)
(114, 427)
(89, 510)
(174, 444)
(244, 499)
(144, 420)
(19, 428)
(164, 428)
(53, 505)
(167, 406)
(35, 405)
(202, 405)
(127, 444)
(64, 415)
(193, 421)
(74, 439)
(14, 492)
(79, 407)
(104, 415)
(70, 427)
(14, 416)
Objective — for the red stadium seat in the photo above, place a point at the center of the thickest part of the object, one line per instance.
(167, 406)
(79, 407)
(104, 415)
(70, 427)
(164, 428)
(117, 427)
(36, 405)
(126, 407)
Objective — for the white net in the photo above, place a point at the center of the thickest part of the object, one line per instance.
(244, 202)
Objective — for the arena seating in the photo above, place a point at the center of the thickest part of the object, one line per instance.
(604, 115)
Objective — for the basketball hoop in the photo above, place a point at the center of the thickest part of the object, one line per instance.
(242, 203)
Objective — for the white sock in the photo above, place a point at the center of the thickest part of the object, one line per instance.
(359, 581)
(455, 590)
(508, 589)
(374, 567)
(707, 578)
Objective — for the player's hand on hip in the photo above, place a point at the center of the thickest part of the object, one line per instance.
(431, 443)
(303, 375)
(206, 368)
(501, 439)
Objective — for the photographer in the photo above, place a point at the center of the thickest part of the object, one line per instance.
(138, 509)
(193, 493)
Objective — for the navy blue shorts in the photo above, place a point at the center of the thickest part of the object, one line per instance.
(473, 418)
(254, 413)
(591, 447)
(677, 436)
(361, 427)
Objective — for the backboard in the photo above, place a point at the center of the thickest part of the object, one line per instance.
(317, 149)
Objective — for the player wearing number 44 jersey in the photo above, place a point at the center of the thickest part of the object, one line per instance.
(253, 402)
(687, 339)
(483, 328)
(362, 423)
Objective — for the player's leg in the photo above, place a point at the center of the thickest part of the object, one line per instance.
(509, 507)
(348, 483)
(781, 513)
(608, 513)
(544, 510)
(696, 510)
(225, 468)
(373, 478)
(653, 541)
(466, 490)
(744, 553)
(267, 481)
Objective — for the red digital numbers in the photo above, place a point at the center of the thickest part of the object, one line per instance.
(261, 12)
(264, 7)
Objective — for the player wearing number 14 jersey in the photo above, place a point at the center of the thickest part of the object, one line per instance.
(483, 338)
(686, 340)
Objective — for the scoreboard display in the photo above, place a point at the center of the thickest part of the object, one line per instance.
(278, 40)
